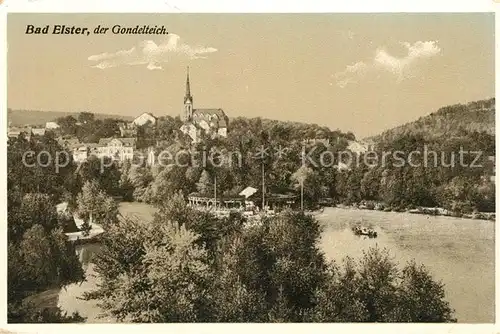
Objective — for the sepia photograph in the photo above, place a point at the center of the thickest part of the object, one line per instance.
(250, 168)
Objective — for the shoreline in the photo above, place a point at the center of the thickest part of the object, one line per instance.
(408, 211)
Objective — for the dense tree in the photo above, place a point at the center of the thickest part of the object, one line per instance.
(126, 188)
(26, 312)
(311, 184)
(140, 178)
(168, 182)
(86, 117)
(39, 255)
(374, 289)
(449, 121)
(38, 165)
(93, 204)
(197, 272)
(205, 184)
(103, 171)
(87, 128)
(32, 209)
(67, 125)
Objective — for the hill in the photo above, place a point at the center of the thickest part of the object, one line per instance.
(37, 117)
(451, 120)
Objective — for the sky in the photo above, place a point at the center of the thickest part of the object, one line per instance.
(363, 73)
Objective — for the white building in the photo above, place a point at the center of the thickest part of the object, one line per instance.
(52, 125)
(117, 148)
(145, 118)
(38, 131)
(15, 132)
(80, 153)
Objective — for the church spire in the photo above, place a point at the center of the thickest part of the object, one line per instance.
(188, 100)
(188, 89)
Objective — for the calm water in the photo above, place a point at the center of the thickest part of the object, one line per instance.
(458, 252)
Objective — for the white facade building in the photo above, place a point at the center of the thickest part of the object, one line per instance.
(117, 148)
(52, 125)
(80, 153)
(144, 118)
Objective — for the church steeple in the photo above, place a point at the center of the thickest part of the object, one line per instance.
(188, 88)
(188, 99)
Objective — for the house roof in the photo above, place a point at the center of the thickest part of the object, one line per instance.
(147, 113)
(247, 192)
(128, 141)
(206, 112)
(15, 131)
(104, 141)
(75, 146)
(51, 124)
(19, 129)
(144, 118)
(68, 142)
(124, 141)
(38, 131)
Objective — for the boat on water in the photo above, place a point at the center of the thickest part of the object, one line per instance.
(365, 231)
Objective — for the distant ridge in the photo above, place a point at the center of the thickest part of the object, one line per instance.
(447, 121)
(37, 117)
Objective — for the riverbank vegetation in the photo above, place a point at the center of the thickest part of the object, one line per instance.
(190, 266)
(39, 254)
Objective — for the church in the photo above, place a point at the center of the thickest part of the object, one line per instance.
(212, 122)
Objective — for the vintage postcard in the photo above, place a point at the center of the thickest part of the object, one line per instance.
(250, 168)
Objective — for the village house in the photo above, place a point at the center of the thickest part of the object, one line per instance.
(52, 125)
(128, 129)
(68, 142)
(81, 152)
(357, 147)
(117, 148)
(38, 131)
(15, 132)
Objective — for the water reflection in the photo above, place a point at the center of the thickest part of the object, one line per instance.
(86, 252)
(70, 296)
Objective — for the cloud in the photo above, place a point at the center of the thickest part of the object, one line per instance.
(151, 54)
(401, 67)
(351, 74)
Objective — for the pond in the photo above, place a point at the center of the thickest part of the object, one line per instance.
(459, 252)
